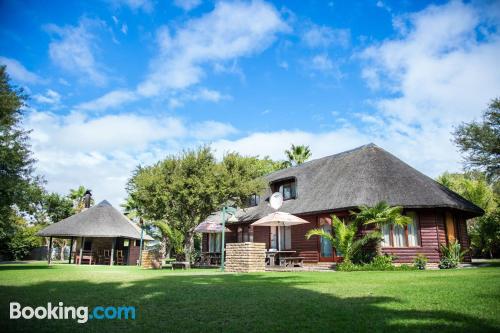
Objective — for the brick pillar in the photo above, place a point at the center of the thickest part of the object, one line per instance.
(245, 257)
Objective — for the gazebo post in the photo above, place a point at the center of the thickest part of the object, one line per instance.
(70, 250)
(112, 251)
(49, 255)
(81, 251)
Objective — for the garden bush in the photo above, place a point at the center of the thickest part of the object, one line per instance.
(379, 263)
(451, 255)
(420, 261)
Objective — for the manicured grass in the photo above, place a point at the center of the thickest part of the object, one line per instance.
(466, 300)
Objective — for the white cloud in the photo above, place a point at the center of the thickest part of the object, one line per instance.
(18, 72)
(73, 49)
(101, 152)
(110, 100)
(187, 5)
(203, 94)
(124, 28)
(51, 97)
(146, 6)
(230, 31)
(321, 62)
(209, 130)
(323, 36)
(440, 70)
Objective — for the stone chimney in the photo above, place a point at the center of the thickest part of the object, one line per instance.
(87, 198)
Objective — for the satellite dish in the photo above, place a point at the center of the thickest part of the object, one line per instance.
(276, 200)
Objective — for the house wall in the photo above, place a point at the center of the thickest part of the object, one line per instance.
(432, 233)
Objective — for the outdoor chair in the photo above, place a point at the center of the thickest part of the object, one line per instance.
(106, 259)
(100, 256)
(119, 257)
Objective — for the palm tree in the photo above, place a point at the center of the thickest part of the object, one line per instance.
(298, 154)
(170, 238)
(344, 237)
(380, 215)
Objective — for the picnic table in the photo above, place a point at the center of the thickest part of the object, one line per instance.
(292, 261)
(284, 258)
(210, 258)
(180, 264)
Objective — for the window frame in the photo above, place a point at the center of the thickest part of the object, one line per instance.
(279, 186)
(253, 200)
(406, 239)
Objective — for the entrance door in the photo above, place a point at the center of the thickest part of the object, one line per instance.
(325, 246)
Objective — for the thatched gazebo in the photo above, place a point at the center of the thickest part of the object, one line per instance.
(103, 236)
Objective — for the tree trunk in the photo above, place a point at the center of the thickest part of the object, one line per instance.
(63, 246)
(188, 246)
(168, 251)
(163, 247)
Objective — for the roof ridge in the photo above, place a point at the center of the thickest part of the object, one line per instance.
(346, 152)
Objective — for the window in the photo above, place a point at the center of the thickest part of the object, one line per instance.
(398, 233)
(285, 238)
(413, 234)
(397, 236)
(253, 200)
(386, 233)
(273, 238)
(287, 189)
(214, 242)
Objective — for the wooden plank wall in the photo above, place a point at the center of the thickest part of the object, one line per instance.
(431, 234)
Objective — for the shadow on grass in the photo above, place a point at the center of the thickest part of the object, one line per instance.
(22, 266)
(228, 303)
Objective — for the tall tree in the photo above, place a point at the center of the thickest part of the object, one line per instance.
(16, 162)
(479, 141)
(298, 154)
(484, 231)
(185, 189)
(473, 186)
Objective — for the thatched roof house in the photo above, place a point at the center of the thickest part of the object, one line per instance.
(100, 227)
(345, 181)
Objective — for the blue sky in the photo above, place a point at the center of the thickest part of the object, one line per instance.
(118, 83)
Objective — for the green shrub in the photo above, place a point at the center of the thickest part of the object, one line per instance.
(347, 266)
(379, 263)
(451, 255)
(24, 241)
(420, 261)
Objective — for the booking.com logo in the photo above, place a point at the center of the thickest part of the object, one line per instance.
(81, 313)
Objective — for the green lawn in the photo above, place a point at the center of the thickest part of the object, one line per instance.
(466, 300)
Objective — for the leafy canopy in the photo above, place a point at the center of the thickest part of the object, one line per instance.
(479, 141)
(187, 188)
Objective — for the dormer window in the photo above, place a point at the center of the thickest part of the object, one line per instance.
(287, 188)
(253, 200)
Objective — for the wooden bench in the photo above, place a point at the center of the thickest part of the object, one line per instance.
(292, 261)
(180, 264)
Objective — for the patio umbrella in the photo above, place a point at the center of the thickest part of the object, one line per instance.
(210, 228)
(279, 219)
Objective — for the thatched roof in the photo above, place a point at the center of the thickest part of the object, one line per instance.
(362, 176)
(101, 220)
